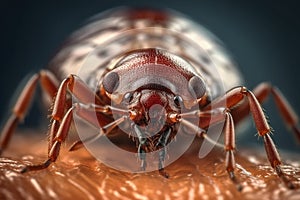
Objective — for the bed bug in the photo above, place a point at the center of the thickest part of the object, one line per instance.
(154, 70)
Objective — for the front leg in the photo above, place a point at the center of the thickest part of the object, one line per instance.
(55, 143)
(232, 100)
(233, 97)
(61, 121)
(229, 134)
(262, 92)
(211, 118)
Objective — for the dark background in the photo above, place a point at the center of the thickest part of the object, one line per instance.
(263, 37)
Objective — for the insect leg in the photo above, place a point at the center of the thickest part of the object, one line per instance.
(216, 116)
(56, 143)
(263, 90)
(264, 131)
(48, 83)
(229, 133)
(236, 95)
(62, 133)
(60, 120)
(74, 85)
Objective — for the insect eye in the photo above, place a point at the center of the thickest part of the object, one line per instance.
(111, 82)
(178, 100)
(128, 97)
(197, 87)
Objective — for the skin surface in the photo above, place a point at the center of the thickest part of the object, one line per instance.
(78, 174)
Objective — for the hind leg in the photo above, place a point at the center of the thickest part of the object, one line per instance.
(48, 83)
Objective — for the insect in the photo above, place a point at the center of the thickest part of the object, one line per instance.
(153, 71)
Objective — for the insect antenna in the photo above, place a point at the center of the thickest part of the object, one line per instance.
(103, 131)
(200, 132)
(212, 141)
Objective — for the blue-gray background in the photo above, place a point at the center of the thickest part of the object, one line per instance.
(263, 37)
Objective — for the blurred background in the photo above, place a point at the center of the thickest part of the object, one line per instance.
(262, 36)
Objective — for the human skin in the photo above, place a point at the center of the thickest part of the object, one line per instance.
(78, 174)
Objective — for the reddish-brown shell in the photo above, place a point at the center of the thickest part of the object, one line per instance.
(149, 68)
(109, 37)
